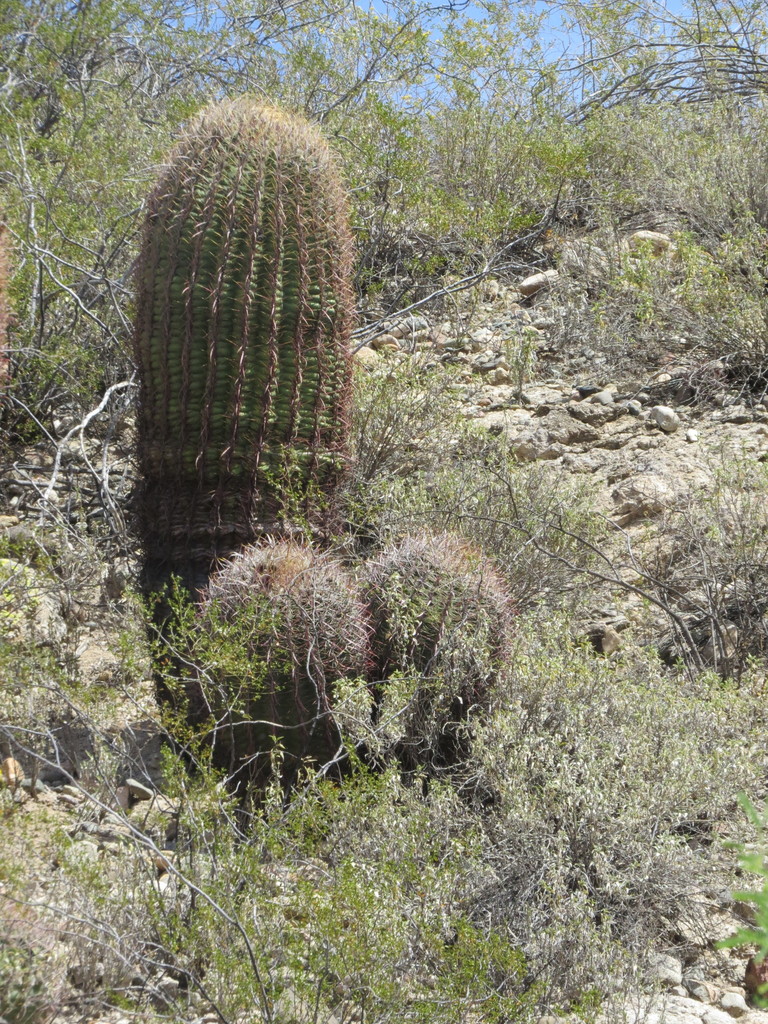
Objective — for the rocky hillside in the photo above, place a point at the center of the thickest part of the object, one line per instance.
(576, 862)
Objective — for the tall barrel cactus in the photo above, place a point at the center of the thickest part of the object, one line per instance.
(244, 308)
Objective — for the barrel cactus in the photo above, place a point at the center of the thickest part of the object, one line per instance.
(279, 625)
(442, 620)
(244, 308)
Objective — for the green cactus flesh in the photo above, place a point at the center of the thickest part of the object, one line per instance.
(244, 310)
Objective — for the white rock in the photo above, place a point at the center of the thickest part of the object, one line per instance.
(667, 969)
(714, 1016)
(665, 418)
(702, 991)
(603, 398)
(691, 436)
(138, 790)
(658, 241)
(733, 1004)
(534, 283)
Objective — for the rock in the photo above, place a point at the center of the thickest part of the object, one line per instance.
(384, 341)
(165, 992)
(691, 436)
(137, 790)
(366, 357)
(733, 1004)
(603, 398)
(634, 408)
(714, 1016)
(35, 787)
(657, 240)
(641, 496)
(534, 283)
(664, 418)
(701, 991)
(12, 772)
(584, 260)
(293, 1008)
(6, 522)
(667, 969)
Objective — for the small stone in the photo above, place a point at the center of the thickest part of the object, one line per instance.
(34, 787)
(123, 798)
(691, 436)
(165, 992)
(665, 418)
(634, 408)
(667, 969)
(734, 1004)
(12, 772)
(534, 283)
(138, 791)
(603, 398)
(611, 641)
(365, 356)
(713, 1015)
(659, 243)
(701, 991)
(6, 522)
(70, 790)
(384, 341)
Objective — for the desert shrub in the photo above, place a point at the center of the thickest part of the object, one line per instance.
(443, 620)
(420, 465)
(31, 982)
(353, 902)
(709, 569)
(279, 626)
(404, 419)
(604, 779)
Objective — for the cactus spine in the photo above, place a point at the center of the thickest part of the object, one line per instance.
(244, 308)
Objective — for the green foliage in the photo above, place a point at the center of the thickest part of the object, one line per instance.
(29, 986)
(752, 860)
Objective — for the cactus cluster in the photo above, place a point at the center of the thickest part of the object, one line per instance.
(244, 308)
(423, 629)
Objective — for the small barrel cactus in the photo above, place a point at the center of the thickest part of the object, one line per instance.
(442, 619)
(244, 308)
(280, 624)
